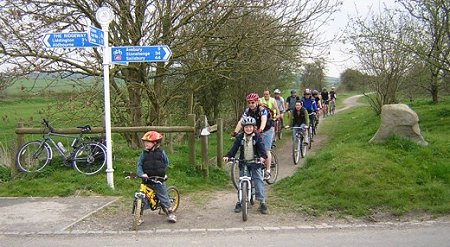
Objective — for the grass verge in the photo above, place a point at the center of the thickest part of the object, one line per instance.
(354, 177)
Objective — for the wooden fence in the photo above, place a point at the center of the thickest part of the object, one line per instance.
(190, 129)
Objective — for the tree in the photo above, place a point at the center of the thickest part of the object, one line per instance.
(432, 39)
(313, 75)
(378, 45)
(218, 46)
(353, 80)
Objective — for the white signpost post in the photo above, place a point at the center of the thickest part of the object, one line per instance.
(95, 37)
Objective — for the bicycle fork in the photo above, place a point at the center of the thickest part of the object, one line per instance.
(247, 180)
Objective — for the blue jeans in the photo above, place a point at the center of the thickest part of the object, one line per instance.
(162, 194)
(267, 138)
(257, 178)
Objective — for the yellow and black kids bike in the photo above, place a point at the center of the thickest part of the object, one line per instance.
(146, 198)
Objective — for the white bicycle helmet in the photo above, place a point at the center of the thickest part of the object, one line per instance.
(277, 91)
(247, 120)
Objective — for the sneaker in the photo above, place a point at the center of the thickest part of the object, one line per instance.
(237, 208)
(172, 218)
(263, 208)
(266, 175)
(140, 222)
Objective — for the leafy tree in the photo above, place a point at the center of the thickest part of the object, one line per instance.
(353, 80)
(313, 75)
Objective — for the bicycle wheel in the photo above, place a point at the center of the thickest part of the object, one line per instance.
(33, 156)
(235, 174)
(311, 135)
(244, 201)
(273, 168)
(303, 147)
(174, 196)
(296, 145)
(137, 212)
(89, 158)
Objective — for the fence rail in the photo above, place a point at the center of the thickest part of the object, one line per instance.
(189, 129)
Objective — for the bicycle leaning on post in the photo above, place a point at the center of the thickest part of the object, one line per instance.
(146, 198)
(87, 155)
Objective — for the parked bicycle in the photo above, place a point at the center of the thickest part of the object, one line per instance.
(299, 146)
(86, 155)
(273, 171)
(146, 198)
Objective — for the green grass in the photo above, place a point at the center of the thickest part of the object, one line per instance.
(353, 176)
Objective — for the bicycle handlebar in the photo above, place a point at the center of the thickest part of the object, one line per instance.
(85, 128)
(155, 179)
(253, 161)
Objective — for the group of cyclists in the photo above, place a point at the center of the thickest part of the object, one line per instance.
(258, 121)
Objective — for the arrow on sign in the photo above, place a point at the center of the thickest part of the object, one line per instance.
(67, 40)
(155, 53)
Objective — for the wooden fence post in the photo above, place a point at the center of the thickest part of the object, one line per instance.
(219, 135)
(169, 136)
(204, 146)
(19, 142)
(191, 139)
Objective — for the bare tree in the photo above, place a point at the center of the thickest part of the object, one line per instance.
(217, 45)
(378, 45)
(432, 39)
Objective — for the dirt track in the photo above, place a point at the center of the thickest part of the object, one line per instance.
(215, 210)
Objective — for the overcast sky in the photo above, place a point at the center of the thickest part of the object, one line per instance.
(339, 58)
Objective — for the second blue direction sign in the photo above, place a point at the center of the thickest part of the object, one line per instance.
(154, 53)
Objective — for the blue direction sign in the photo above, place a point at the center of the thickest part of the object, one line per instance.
(67, 40)
(155, 53)
(96, 36)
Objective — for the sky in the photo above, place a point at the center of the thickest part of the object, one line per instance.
(339, 58)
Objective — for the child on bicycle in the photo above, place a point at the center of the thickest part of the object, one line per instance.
(300, 118)
(251, 146)
(153, 161)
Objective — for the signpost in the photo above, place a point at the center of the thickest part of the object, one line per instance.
(96, 36)
(67, 40)
(154, 53)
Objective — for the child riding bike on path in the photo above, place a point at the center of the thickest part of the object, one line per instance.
(251, 146)
(263, 125)
(153, 161)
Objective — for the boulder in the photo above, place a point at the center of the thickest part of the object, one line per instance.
(399, 120)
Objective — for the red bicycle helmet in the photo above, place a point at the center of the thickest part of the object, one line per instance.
(252, 97)
(152, 136)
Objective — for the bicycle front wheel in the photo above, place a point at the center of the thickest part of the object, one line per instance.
(174, 197)
(296, 145)
(235, 174)
(303, 147)
(273, 169)
(137, 212)
(33, 156)
(89, 158)
(244, 201)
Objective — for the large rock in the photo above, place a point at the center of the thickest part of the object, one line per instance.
(399, 120)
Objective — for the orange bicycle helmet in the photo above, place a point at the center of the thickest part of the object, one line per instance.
(152, 136)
